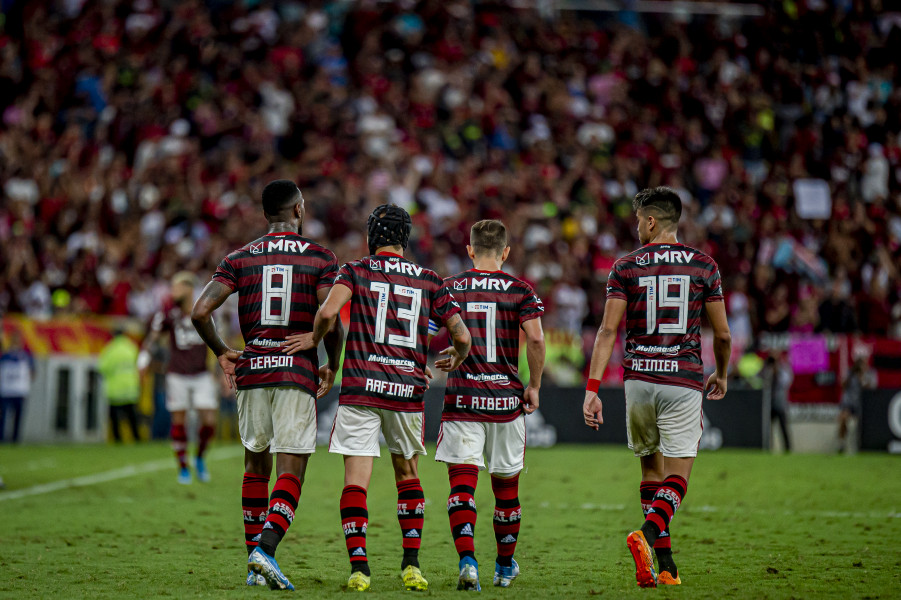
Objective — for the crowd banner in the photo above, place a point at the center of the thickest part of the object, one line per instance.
(880, 421)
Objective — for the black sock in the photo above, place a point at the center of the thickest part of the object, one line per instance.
(411, 557)
(362, 567)
(665, 561)
(269, 541)
(651, 532)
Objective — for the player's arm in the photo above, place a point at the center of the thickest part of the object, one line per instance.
(150, 340)
(212, 297)
(462, 342)
(325, 319)
(535, 357)
(592, 408)
(333, 341)
(722, 349)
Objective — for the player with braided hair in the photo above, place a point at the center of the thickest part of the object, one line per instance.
(385, 377)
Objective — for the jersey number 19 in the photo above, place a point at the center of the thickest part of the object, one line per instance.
(658, 294)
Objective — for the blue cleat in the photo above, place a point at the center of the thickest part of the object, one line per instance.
(184, 476)
(254, 579)
(504, 576)
(202, 474)
(469, 575)
(262, 564)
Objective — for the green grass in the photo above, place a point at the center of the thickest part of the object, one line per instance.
(752, 526)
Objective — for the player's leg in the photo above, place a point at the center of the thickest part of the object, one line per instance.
(177, 403)
(255, 429)
(644, 441)
(206, 401)
(404, 433)
(652, 475)
(505, 449)
(355, 434)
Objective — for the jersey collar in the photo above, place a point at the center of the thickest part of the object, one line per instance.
(483, 271)
(282, 233)
(389, 254)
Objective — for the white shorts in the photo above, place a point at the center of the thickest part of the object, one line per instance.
(663, 418)
(184, 392)
(280, 418)
(356, 432)
(501, 445)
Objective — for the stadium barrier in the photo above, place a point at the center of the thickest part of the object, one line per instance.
(880, 421)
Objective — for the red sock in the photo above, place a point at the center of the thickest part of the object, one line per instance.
(180, 444)
(255, 502)
(461, 507)
(410, 516)
(648, 490)
(204, 435)
(507, 516)
(282, 504)
(663, 509)
(355, 520)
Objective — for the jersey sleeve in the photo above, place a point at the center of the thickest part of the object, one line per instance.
(328, 274)
(345, 277)
(713, 286)
(616, 287)
(443, 305)
(158, 322)
(226, 274)
(530, 307)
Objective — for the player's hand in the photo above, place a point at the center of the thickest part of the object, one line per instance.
(227, 361)
(326, 380)
(299, 342)
(716, 387)
(530, 400)
(452, 361)
(592, 410)
(428, 376)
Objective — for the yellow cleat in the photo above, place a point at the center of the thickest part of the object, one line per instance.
(666, 579)
(358, 582)
(413, 580)
(645, 574)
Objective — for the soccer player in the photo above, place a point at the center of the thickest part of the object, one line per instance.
(189, 384)
(281, 278)
(485, 403)
(384, 379)
(661, 288)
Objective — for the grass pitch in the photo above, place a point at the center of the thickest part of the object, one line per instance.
(752, 526)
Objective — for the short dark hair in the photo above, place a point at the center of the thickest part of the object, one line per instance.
(279, 195)
(663, 202)
(487, 236)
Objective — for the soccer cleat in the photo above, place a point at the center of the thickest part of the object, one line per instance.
(202, 474)
(358, 581)
(469, 575)
(504, 576)
(413, 579)
(262, 564)
(666, 579)
(254, 579)
(645, 574)
(184, 476)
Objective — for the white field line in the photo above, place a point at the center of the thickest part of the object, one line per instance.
(113, 475)
(719, 509)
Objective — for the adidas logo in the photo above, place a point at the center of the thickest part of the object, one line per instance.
(412, 534)
(268, 525)
(256, 538)
(467, 530)
(359, 552)
(509, 539)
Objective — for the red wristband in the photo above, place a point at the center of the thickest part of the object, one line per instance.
(593, 385)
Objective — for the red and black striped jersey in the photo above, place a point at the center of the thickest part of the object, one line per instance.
(387, 339)
(277, 278)
(486, 387)
(665, 287)
(187, 350)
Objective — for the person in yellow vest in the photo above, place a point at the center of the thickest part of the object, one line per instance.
(118, 366)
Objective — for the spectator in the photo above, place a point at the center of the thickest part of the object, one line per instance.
(16, 374)
(777, 378)
(117, 364)
(860, 378)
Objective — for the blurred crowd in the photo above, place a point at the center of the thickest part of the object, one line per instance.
(136, 136)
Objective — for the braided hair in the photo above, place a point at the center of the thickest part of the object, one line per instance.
(388, 225)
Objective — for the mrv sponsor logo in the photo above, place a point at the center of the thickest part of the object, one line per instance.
(680, 257)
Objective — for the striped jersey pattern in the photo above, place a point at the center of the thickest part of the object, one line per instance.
(387, 339)
(277, 277)
(187, 350)
(486, 387)
(665, 287)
